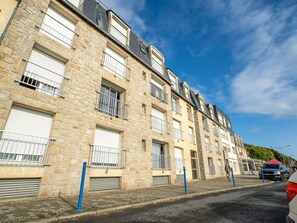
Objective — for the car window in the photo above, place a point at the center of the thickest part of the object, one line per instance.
(272, 166)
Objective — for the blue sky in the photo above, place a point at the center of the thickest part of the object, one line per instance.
(240, 54)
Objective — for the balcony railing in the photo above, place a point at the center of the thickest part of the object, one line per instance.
(112, 106)
(190, 116)
(216, 132)
(42, 79)
(159, 93)
(208, 147)
(179, 162)
(107, 157)
(178, 134)
(56, 30)
(21, 149)
(192, 139)
(116, 67)
(206, 127)
(161, 161)
(159, 124)
(212, 170)
(219, 150)
(176, 108)
(118, 35)
(157, 66)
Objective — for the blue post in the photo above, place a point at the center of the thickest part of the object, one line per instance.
(185, 180)
(263, 177)
(81, 191)
(233, 179)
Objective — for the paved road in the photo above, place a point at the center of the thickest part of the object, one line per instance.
(262, 204)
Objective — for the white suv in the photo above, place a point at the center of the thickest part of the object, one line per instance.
(291, 189)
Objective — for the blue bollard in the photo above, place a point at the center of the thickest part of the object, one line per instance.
(233, 179)
(81, 191)
(185, 180)
(263, 177)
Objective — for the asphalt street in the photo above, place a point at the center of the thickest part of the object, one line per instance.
(261, 204)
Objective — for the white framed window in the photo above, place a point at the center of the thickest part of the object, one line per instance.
(177, 133)
(202, 105)
(119, 31)
(178, 160)
(159, 155)
(58, 27)
(175, 105)
(173, 81)
(157, 63)
(192, 136)
(159, 120)
(43, 73)
(187, 92)
(220, 118)
(158, 91)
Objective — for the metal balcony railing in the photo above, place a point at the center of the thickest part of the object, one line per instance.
(158, 67)
(107, 157)
(115, 66)
(212, 170)
(159, 124)
(112, 106)
(190, 116)
(21, 149)
(179, 164)
(161, 161)
(192, 139)
(159, 93)
(219, 150)
(178, 134)
(208, 147)
(206, 127)
(118, 35)
(57, 30)
(216, 132)
(176, 108)
(42, 79)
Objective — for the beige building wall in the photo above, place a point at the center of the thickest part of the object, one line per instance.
(6, 10)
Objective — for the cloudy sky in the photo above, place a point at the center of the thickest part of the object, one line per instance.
(240, 54)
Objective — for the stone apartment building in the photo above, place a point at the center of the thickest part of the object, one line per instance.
(76, 84)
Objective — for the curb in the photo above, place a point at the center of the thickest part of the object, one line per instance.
(164, 200)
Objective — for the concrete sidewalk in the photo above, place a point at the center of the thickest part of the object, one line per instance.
(51, 210)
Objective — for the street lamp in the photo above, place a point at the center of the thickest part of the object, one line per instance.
(280, 149)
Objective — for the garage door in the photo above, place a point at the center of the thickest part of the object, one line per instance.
(19, 188)
(104, 183)
(160, 180)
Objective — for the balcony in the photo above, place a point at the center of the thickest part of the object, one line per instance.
(158, 67)
(224, 136)
(208, 147)
(116, 67)
(112, 106)
(161, 162)
(107, 157)
(42, 79)
(212, 170)
(118, 35)
(190, 116)
(192, 139)
(178, 134)
(216, 132)
(57, 30)
(159, 93)
(219, 151)
(206, 127)
(179, 162)
(176, 108)
(23, 150)
(159, 125)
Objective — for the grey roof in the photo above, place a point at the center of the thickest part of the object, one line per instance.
(216, 110)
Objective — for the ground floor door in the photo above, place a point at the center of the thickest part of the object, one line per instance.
(194, 165)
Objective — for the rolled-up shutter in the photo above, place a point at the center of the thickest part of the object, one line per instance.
(104, 183)
(160, 180)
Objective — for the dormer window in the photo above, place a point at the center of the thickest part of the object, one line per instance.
(187, 92)
(211, 112)
(118, 29)
(157, 60)
(202, 105)
(173, 81)
(220, 118)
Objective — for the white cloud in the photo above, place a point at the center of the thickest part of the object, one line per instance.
(265, 44)
(129, 11)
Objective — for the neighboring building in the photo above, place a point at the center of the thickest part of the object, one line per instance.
(76, 84)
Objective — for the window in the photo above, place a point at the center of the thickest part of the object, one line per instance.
(158, 121)
(157, 63)
(175, 105)
(205, 124)
(106, 151)
(190, 115)
(177, 133)
(211, 167)
(234, 150)
(192, 137)
(207, 144)
(7, 9)
(211, 112)
(111, 102)
(143, 75)
(25, 138)
(58, 27)
(43, 73)
(178, 160)
(187, 93)
(74, 2)
(143, 144)
(115, 63)
(220, 118)
(160, 158)
(228, 124)
(173, 81)
(157, 90)
(143, 109)
(202, 105)
(118, 29)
